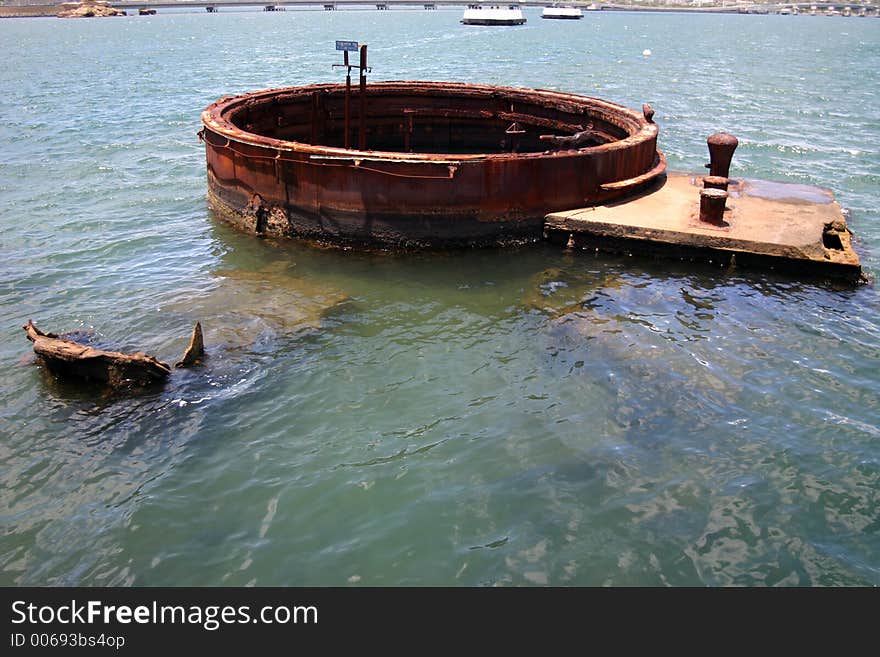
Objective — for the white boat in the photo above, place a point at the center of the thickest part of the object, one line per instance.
(562, 12)
(493, 15)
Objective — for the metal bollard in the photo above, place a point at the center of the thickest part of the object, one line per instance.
(712, 203)
(716, 182)
(721, 147)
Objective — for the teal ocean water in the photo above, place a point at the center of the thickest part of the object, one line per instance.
(523, 417)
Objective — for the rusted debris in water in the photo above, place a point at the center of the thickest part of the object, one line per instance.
(68, 358)
(72, 359)
(195, 350)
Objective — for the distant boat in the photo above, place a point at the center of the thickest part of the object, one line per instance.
(562, 12)
(494, 15)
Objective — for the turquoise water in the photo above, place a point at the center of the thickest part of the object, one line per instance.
(520, 417)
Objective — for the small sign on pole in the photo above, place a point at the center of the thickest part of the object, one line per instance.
(350, 46)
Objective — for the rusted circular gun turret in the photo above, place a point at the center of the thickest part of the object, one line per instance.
(721, 148)
(440, 164)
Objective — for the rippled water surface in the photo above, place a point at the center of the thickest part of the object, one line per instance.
(471, 418)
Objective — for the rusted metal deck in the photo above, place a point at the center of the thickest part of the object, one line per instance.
(763, 224)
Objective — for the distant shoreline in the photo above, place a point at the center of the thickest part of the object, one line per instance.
(51, 10)
(29, 11)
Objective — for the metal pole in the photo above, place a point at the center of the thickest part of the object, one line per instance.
(347, 99)
(362, 137)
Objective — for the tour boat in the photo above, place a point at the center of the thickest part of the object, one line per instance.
(562, 12)
(493, 15)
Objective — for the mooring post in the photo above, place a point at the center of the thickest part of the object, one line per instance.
(721, 147)
(712, 203)
(362, 137)
(716, 182)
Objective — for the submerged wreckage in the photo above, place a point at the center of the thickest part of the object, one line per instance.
(73, 359)
(438, 164)
(441, 164)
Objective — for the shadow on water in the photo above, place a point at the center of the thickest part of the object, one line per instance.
(84, 392)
